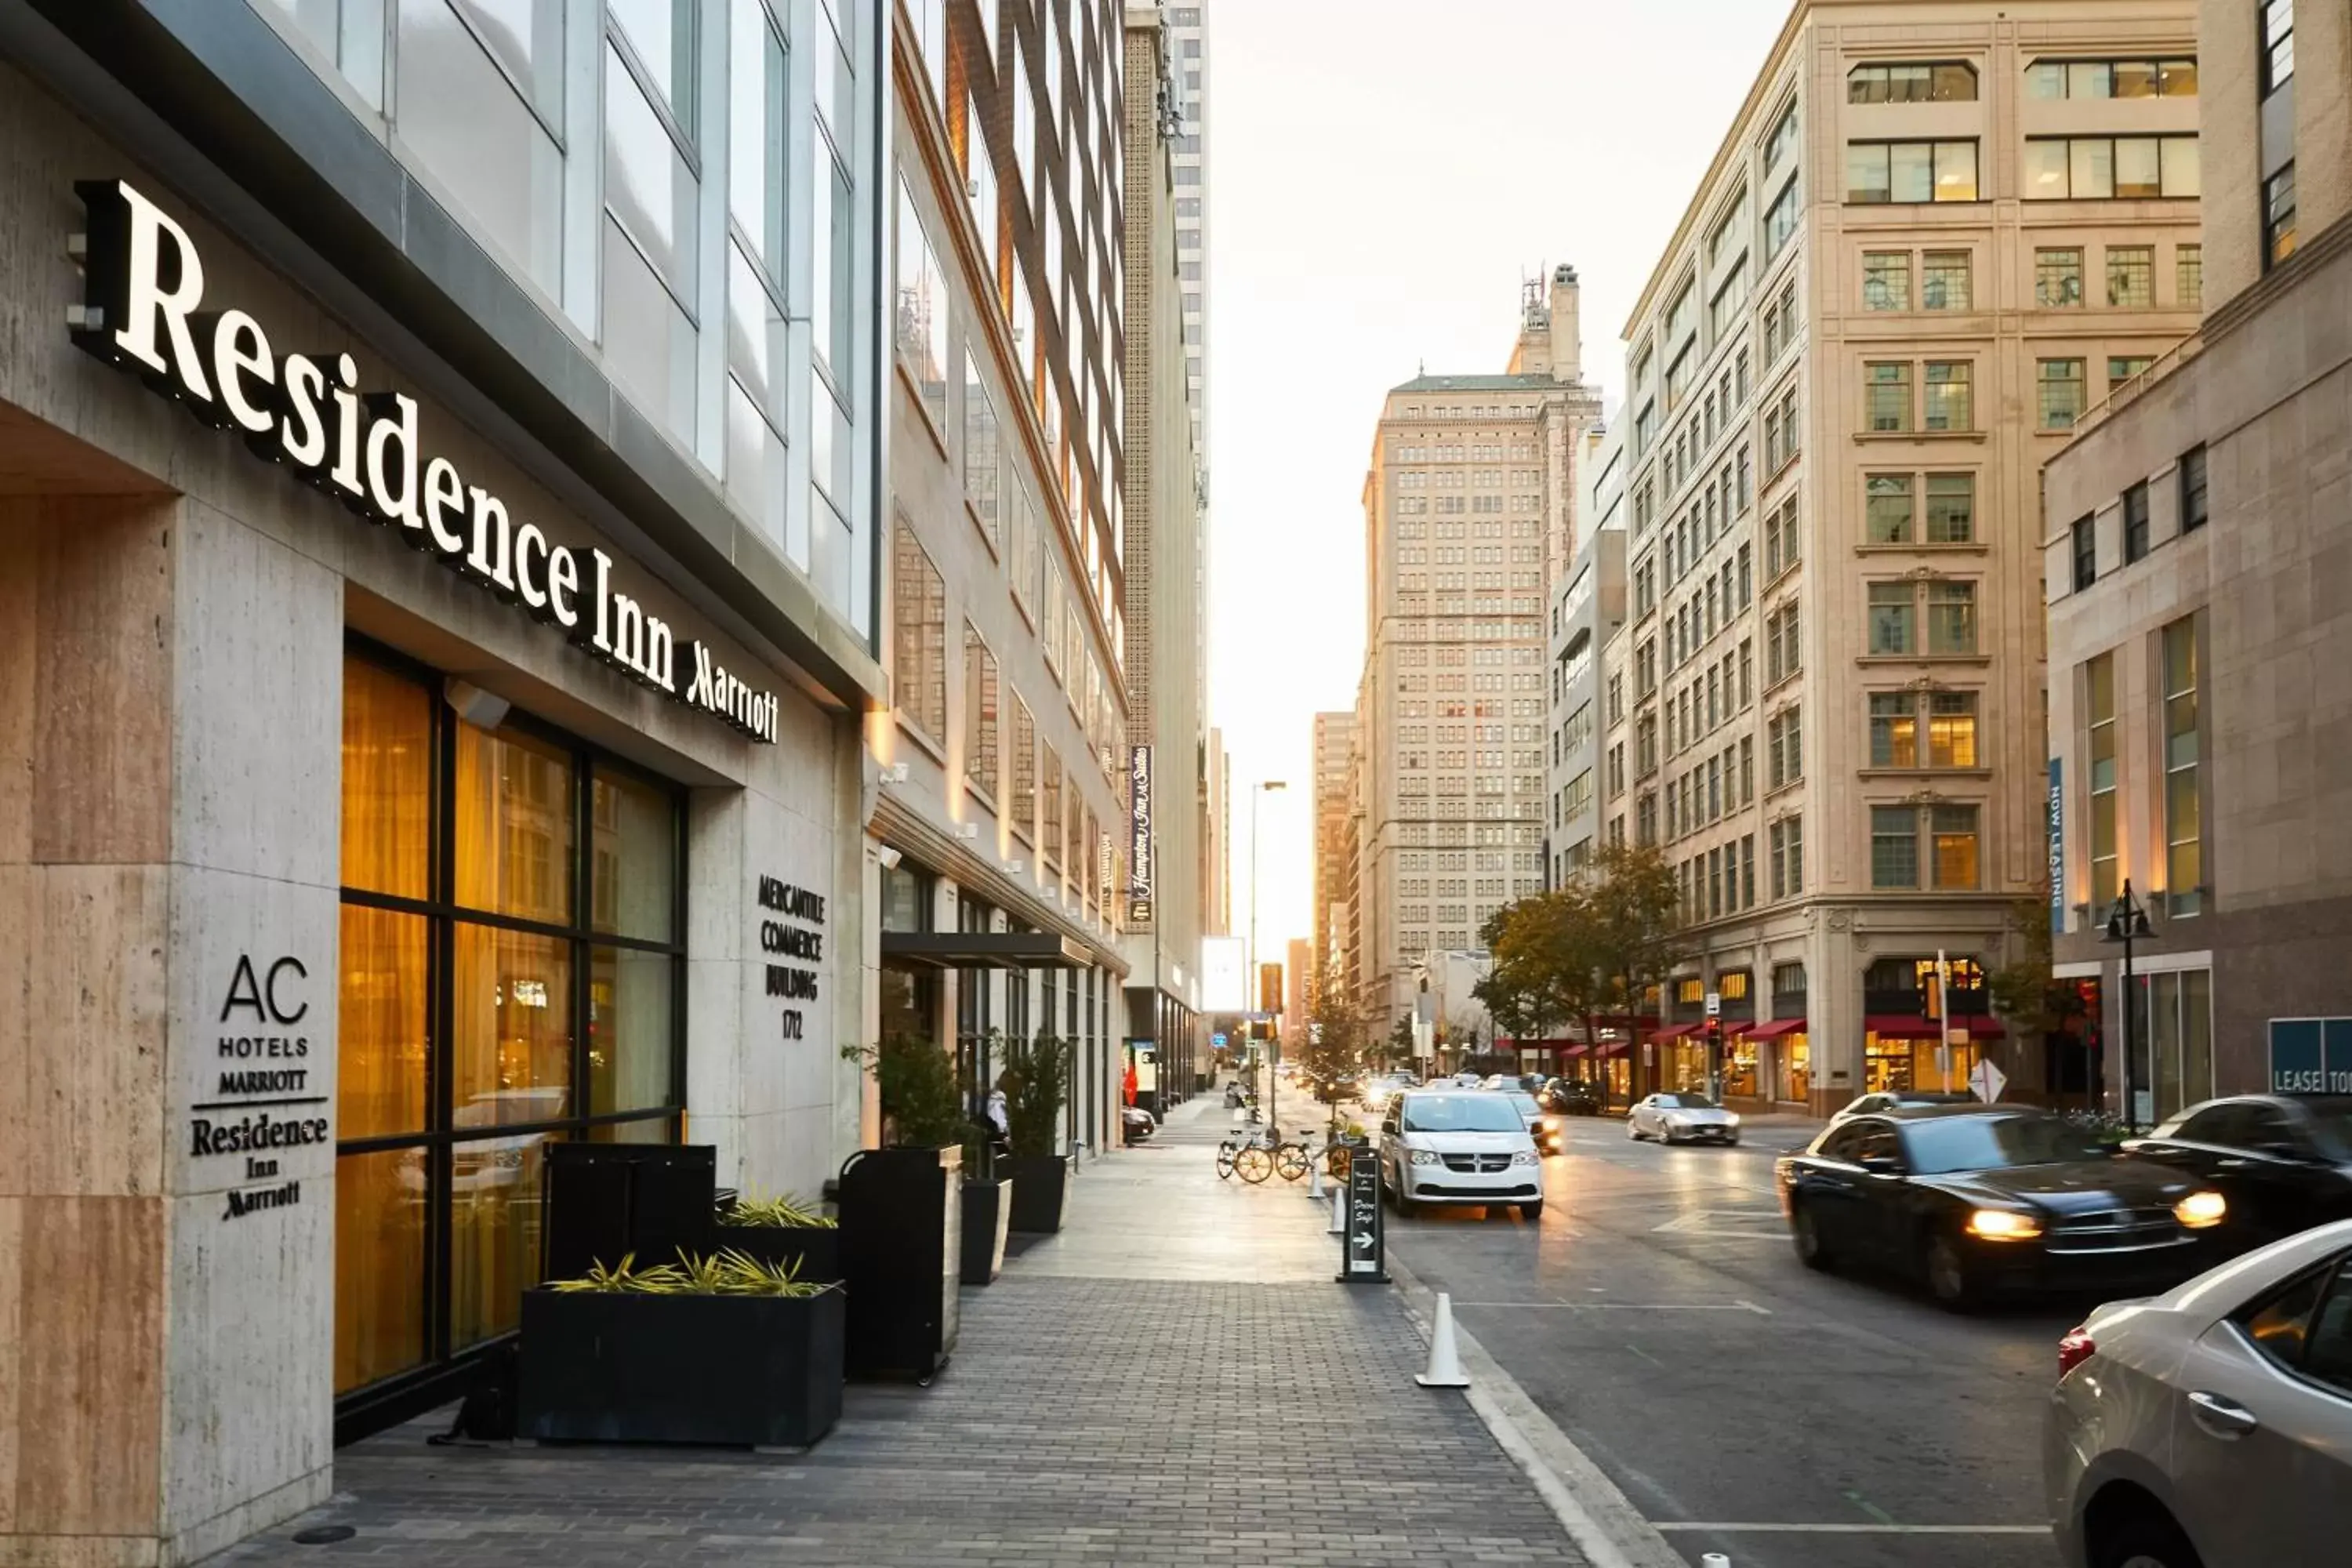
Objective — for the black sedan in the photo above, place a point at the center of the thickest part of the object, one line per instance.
(1571, 1096)
(1974, 1199)
(2284, 1161)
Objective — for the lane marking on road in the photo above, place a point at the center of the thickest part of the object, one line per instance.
(1868, 1507)
(1696, 1527)
(1739, 1306)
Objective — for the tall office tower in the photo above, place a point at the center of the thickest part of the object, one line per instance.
(1470, 513)
(1167, 718)
(1007, 800)
(1335, 744)
(1188, 30)
(1935, 232)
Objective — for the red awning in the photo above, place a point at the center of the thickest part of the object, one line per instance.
(1618, 1049)
(1574, 1051)
(1675, 1032)
(1775, 1029)
(1903, 1026)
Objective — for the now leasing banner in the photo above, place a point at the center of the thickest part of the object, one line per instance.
(143, 310)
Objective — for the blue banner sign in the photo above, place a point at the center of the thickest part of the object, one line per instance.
(2057, 849)
(2311, 1055)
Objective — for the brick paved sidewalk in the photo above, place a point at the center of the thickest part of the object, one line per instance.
(1173, 1379)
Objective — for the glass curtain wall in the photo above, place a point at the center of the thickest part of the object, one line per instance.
(511, 973)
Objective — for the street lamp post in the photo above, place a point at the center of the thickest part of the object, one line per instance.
(2128, 924)
(1265, 787)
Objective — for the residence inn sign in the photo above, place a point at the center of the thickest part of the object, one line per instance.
(143, 310)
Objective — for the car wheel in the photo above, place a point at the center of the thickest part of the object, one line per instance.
(1533, 1211)
(1950, 1279)
(2145, 1537)
(1806, 1232)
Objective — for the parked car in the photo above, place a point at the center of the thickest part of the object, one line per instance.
(1975, 1199)
(1521, 1083)
(2211, 1427)
(1456, 1146)
(1896, 1099)
(2284, 1163)
(1679, 1118)
(1135, 1124)
(1571, 1096)
(1541, 1125)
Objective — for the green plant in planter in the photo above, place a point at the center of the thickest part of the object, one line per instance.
(1037, 1084)
(784, 1212)
(920, 1107)
(725, 1273)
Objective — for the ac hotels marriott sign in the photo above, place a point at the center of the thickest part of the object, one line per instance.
(142, 310)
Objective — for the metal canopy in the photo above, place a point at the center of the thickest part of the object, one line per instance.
(981, 950)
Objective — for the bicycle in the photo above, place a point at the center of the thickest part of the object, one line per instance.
(1259, 1155)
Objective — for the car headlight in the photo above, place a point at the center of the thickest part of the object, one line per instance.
(2199, 1211)
(1731, 1118)
(1525, 1157)
(2003, 1225)
(1426, 1157)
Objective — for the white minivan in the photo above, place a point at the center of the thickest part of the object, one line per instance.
(1460, 1146)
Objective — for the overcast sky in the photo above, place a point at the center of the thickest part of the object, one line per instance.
(1382, 174)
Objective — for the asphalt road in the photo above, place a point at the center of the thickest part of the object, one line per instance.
(1657, 1313)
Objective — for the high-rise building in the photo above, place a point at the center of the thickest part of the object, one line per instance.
(1167, 718)
(1335, 745)
(1934, 233)
(2193, 565)
(1004, 758)
(1587, 608)
(1188, 30)
(1470, 512)
(1217, 865)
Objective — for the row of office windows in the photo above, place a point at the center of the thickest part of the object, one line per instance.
(1946, 282)
(2051, 168)
(1955, 82)
(2176, 699)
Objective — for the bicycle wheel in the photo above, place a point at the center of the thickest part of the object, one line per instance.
(1292, 1160)
(1224, 1161)
(1254, 1164)
(1335, 1160)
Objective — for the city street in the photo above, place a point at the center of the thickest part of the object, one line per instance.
(1658, 1314)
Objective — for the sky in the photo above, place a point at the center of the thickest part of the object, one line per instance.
(1383, 173)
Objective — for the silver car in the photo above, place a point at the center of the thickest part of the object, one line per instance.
(1682, 1118)
(2211, 1424)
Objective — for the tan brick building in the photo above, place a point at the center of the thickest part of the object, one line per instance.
(1935, 233)
(1470, 512)
(2200, 591)
(1335, 746)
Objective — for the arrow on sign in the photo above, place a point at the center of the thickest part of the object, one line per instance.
(1362, 1238)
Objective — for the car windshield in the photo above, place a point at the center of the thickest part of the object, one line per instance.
(1685, 1102)
(1461, 1113)
(1994, 1142)
(1527, 1104)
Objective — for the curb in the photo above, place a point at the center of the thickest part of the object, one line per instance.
(1601, 1521)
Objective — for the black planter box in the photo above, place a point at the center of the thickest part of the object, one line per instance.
(816, 1248)
(606, 1201)
(744, 1371)
(987, 1206)
(901, 1258)
(1041, 1190)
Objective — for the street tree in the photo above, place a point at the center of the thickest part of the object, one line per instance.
(1544, 959)
(1337, 1041)
(1635, 907)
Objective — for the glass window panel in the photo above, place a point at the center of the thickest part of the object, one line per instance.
(2045, 173)
(1894, 730)
(632, 869)
(2090, 78)
(2196, 1034)
(460, 117)
(2091, 168)
(1945, 281)
(2136, 167)
(1954, 830)
(1865, 178)
(2045, 78)
(1951, 617)
(2134, 78)
(2183, 170)
(1894, 606)
(1911, 171)
(387, 839)
(1894, 847)
(632, 1030)
(510, 1027)
(837, 80)
(2179, 78)
(2059, 390)
(1952, 730)
(380, 1240)
(758, 337)
(1948, 402)
(755, 133)
(832, 286)
(649, 1129)
(662, 33)
(1888, 507)
(757, 472)
(1886, 280)
(514, 810)
(982, 452)
(2057, 277)
(382, 1041)
(650, 342)
(648, 185)
(526, 37)
(1951, 509)
(1889, 394)
(494, 1188)
(2164, 1036)
(1956, 171)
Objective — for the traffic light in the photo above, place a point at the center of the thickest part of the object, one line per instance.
(1269, 988)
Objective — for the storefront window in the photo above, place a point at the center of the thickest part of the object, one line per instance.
(476, 940)
(1796, 1066)
(1740, 1068)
